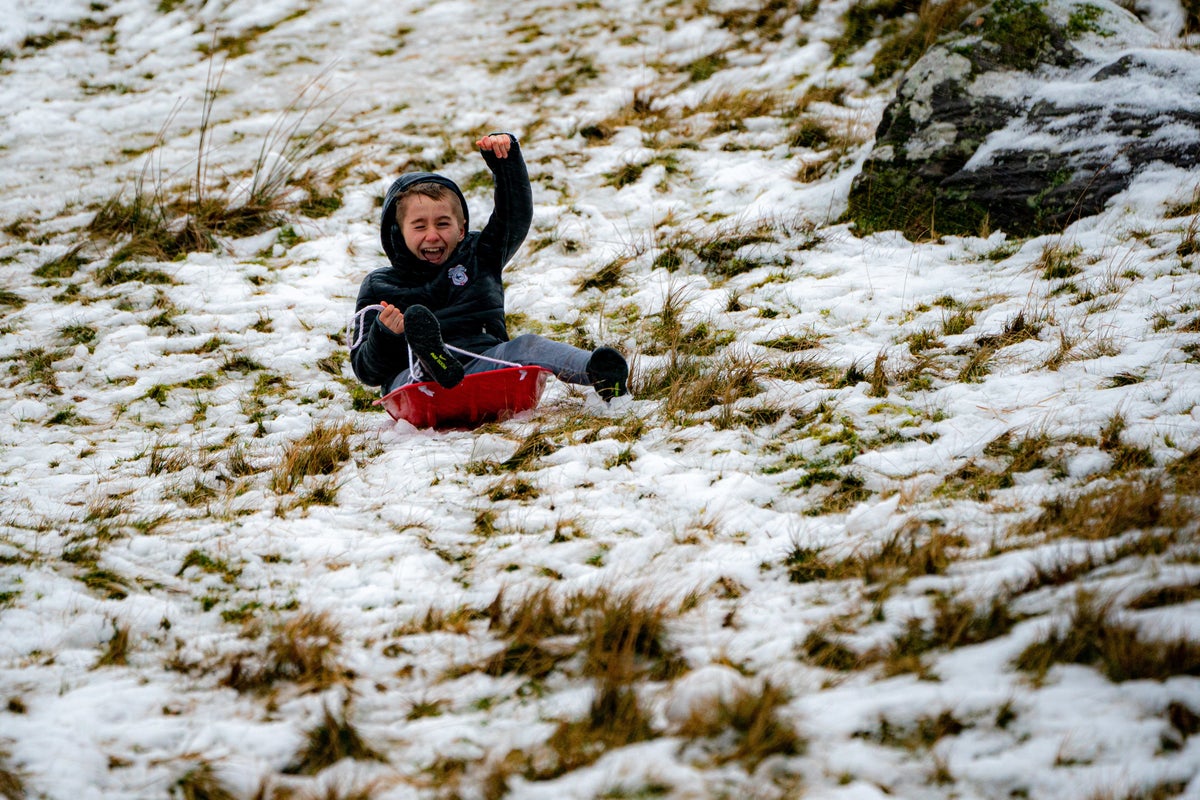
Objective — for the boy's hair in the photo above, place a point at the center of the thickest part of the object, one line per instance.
(434, 191)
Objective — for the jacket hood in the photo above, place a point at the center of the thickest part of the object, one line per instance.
(389, 229)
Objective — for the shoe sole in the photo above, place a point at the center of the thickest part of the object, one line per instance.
(425, 337)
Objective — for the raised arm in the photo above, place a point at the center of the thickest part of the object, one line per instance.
(512, 211)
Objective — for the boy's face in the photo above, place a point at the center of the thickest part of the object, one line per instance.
(431, 228)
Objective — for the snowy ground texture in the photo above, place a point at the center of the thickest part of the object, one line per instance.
(885, 519)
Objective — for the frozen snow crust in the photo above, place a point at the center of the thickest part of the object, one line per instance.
(885, 519)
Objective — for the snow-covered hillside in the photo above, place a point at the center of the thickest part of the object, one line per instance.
(883, 518)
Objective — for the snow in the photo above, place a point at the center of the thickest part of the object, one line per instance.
(699, 512)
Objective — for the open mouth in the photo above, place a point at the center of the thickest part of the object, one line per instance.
(434, 254)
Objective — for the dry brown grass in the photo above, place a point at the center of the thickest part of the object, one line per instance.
(729, 108)
(626, 637)
(434, 620)
(1058, 572)
(328, 742)
(615, 719)
(1119, 648)
(1004, 458)
(642, 111)
(1057, 261)
(612, 272)
(63, 266)
(729, 248)
(667, 330)
(1017, 329)
(1125, 456)
(525, 625)
(1185, 473)
(1167, 595)
(12, 784)
(900, 49)
(302, 650)
(807, 367)
(116, 650)
(164, 458)
(1184, 721)
(163, 222)
(613, 639)
(879, 376)
(805, 564)
(533, 447)
(794, 343)
(321, 451)
(820, 650)
(1107, 511)
(762, 20)
(920, 735)
(202, 783)
(692, 384)
(756, 720)
(916, 549)
(956, 622)
(1163, 790)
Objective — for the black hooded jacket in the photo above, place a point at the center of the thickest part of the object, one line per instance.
(465, 293)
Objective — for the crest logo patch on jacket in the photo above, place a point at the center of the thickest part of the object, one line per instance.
(458, 275)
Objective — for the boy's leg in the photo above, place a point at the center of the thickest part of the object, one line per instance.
(403, 379)
(425, 338)
(568, 363)
(604, 368)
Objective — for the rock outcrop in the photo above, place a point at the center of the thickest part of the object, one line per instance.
(1033, 114)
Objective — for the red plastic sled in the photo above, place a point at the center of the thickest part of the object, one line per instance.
(481, 397)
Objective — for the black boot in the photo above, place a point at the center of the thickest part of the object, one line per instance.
(608, 372)
(425, 338)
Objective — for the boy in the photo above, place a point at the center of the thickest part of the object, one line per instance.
(444, 286)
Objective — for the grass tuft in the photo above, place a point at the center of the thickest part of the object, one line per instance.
(906, 40)
(1169, 595)
(536, 617)
(922, 734)
(1057, 262)
(1094, 635)
(956, 623)
(303, 650)
(12, 784)
(63, 266)
(116, 650)
(1184, 473)
(321, 451)
(978, 479)
(754, 717)
(615, 719)
(1108, 511)
(915, 550)
(1183, 719)
(533, 447)
(162, 224)
(201, 783)
(625, 637)
(621, 637)
(330, 741)
(806, 564)
(725, 250)
(691, 384)
(820, 650)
